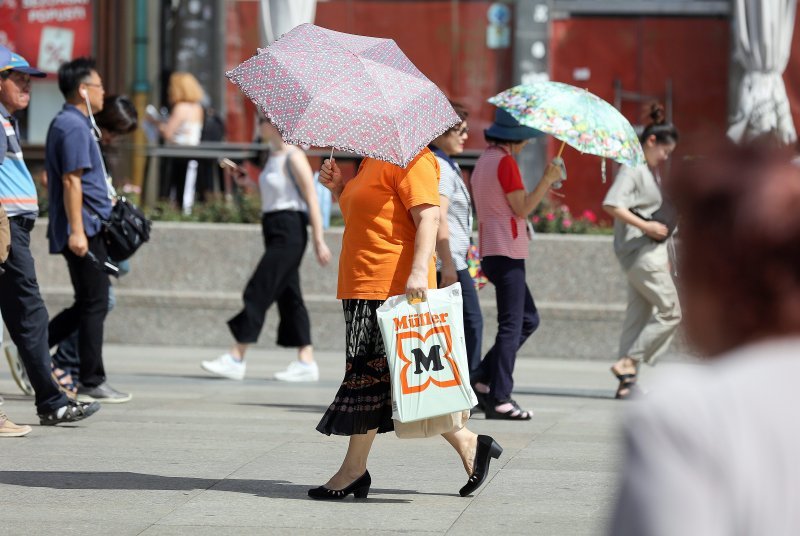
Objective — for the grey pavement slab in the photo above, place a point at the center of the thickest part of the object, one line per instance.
(192, 454)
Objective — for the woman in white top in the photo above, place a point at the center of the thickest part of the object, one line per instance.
(289, 203)
(184, 127)
(653, 312)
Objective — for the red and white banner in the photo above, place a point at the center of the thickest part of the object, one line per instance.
(47, 33)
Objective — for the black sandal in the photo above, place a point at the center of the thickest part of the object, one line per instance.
(516, 413)
(627, 386)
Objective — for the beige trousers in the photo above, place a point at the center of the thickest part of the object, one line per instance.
(653, 312)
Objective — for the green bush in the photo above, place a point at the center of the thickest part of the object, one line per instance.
(239, 209)
(246, 208)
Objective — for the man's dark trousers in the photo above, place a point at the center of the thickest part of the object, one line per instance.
(26, 316)
(88, 313)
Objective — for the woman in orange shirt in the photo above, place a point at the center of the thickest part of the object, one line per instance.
(391, 216)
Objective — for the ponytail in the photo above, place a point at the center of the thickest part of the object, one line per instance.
(665, 133)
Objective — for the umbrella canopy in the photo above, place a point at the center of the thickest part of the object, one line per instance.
(574, 116)
(350, 92)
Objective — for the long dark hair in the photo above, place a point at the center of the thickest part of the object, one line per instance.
(665, 133)
(118, 115)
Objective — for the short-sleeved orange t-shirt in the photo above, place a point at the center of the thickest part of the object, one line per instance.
(379, 233)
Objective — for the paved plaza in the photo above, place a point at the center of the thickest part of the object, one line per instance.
(196, 455)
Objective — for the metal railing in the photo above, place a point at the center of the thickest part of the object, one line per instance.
(243, 151)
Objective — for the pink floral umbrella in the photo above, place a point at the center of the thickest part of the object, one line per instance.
(349, 92)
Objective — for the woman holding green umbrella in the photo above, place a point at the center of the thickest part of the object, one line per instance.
(591, 125)
(503, 206)
(653, 311)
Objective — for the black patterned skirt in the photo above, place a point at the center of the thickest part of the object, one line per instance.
(364, 400)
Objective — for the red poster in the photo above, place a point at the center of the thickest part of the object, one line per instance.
(8, 23)
(47, 33)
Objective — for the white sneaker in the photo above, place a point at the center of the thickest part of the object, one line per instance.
(225, 366)
(297, 371)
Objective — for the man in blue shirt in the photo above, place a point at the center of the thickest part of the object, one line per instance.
(20, 302)
(79, 203)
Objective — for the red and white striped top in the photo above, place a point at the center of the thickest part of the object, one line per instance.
(501, 231)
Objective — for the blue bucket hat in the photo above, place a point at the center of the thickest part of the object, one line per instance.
(506, 128)
(15, 62)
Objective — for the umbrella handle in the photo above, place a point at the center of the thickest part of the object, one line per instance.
(561, 149)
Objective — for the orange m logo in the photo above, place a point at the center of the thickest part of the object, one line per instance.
(420, 359)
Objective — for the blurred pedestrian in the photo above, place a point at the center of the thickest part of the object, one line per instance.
(80, 201)
(288, 203)
(21, 303)
(184, 128)
(653, 313)
(117, 118)
(455, 231)
(503, 207)
(713, 451)
(391, 216)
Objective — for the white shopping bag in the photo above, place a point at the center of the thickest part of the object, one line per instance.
(427, 355)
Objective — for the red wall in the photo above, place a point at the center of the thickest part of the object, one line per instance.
(445, 40)
(643, 53)
(241, 42)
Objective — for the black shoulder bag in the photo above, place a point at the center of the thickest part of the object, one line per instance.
(666, 214)
(127, 228)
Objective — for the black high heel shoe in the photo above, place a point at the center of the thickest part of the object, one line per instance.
(359, 488)
(487, 449)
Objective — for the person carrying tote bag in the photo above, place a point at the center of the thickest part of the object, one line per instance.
(391, 217)
(427, 354)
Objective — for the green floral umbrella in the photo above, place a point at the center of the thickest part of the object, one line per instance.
(574, 116)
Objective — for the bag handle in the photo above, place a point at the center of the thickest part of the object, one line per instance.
(112, 192)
